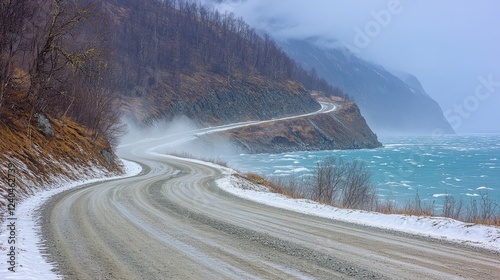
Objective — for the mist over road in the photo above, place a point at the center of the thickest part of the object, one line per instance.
(173, 222)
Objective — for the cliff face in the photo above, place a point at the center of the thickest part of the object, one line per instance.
(390, 104)
(213, 100)
(344, 128)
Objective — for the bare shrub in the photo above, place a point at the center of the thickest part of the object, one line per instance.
(482, 210)
(358, 191)
(488, 206)
(418, 207)
(328, 179)
(291, 186)
(342, 183)
(452, 208)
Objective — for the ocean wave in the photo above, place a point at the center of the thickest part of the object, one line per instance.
(472, 194)
(292, 171)
(447, 165)
(485, 188)
(440, 195)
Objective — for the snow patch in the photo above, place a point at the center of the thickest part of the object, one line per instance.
(29, 260)
(487, 237)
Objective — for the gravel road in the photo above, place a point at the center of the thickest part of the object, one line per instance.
(173, 222)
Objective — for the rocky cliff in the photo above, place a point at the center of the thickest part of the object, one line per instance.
(213, 100)
(344, 128)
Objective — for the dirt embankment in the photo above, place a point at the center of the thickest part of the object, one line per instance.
(38, 149)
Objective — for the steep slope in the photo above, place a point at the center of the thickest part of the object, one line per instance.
(40, 150)
(332, 131)
(177, 58)
(389, 104)
(174, 58)
(57, 120)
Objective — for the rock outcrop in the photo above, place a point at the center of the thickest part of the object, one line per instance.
(213, 101)
(344, 128)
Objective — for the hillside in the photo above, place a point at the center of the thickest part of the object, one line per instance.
(390, 104)
(57, 119)
(174, 58)
(45, 151)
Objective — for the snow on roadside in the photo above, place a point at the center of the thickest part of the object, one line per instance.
(487, 237)
(29, 261)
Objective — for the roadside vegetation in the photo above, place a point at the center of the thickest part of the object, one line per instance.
(348, 184)
(58, 119)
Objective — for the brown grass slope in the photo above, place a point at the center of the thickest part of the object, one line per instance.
(41, 159)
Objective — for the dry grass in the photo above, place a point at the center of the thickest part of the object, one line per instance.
(38, 157)
(274, 186)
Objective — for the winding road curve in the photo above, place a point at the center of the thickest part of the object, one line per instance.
(172, 222)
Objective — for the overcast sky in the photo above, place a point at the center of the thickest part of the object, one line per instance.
(452, 46)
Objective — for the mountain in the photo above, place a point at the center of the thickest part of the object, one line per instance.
(391, 104)
(175, 58)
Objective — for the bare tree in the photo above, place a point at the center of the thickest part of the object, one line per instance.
(329, 178)
(13, 16)
(452, 208)
(53, 58)
(358, 191)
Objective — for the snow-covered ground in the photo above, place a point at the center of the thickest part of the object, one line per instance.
(487, 237)
(29, 261)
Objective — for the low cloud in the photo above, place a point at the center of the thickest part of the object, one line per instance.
(447, 44)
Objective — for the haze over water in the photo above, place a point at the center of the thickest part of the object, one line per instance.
(462, 166)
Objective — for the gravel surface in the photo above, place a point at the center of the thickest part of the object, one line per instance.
(173, 222)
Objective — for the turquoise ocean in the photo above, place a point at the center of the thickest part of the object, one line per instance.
(459, 165)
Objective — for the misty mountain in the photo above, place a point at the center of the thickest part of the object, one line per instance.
(390, 103)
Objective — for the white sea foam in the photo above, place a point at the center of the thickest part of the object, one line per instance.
(472, 194)
(484, 188)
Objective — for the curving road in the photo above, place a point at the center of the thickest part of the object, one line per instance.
(173, 222)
